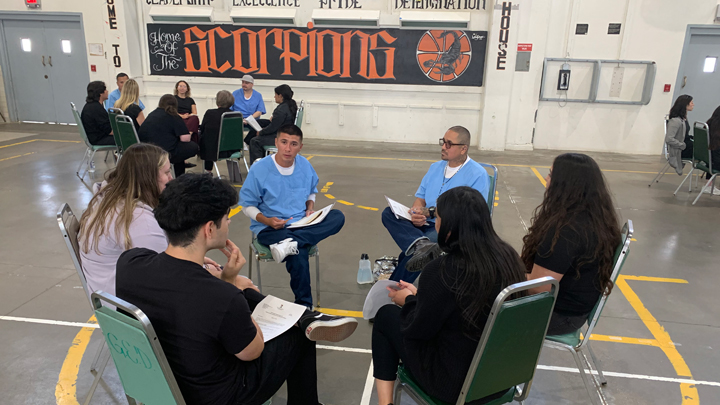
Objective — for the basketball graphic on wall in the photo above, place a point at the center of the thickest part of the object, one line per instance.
(442, 55)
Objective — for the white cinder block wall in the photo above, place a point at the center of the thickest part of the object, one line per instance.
(503, 114)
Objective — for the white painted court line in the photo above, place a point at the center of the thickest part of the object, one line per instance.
(48, 322)
(368, 382)
(367, 391)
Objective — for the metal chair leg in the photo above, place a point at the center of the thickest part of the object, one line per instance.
(397, 395)
(596, 365)
(245, 161)
(250, 264)
(659, 175)
(317, 275)
(585, 378)
(85, 156)
(217, 171)
(96, 359)
(683, 182)
(96, 381)
(258, 273)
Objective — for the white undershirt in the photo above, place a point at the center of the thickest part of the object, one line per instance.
(252, 212)
(450, 171)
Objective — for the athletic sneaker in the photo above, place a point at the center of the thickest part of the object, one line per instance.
(716, 191)
(282, 249)
(424, 254)
(322, 327)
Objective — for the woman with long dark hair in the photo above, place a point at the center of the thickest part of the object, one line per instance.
(678, 131)
(436, 332)
(573, 238)
(166, 129)
(283, 115)
(94, 117)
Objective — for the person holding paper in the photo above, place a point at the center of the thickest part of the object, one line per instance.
(436, 327)
(418, 235)
(202, 316)
(248, 101)
(280, 190)
(283, 115)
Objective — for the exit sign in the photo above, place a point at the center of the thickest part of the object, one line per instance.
(32, 3)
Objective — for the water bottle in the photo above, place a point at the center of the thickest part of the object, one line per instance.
(92, 167)
(364, 272)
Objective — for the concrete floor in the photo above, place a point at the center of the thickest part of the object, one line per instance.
(38, 362)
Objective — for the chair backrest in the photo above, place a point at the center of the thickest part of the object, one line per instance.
(70, 227)
(492, 185)
(510, 345)
(141, 364)
(112, 113)
(701, 146)
(621, 253)
(126, 131)
(300, 114)
(231, 132)
(80, 126)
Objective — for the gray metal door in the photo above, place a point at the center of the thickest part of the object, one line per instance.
(67, 64)
(29, 70)
(696, 77)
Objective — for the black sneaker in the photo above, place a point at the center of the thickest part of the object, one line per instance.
(424, 254)
(321, 327)
(189, 165)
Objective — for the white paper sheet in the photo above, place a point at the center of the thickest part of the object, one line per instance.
(275, 316)
(251, 121)
(377, 298)
(313, 219)
(398, 209)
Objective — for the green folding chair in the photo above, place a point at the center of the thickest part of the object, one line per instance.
(91, 149)
(126, 131)
(508, 350)
(575, 344)
(492, 187)
(69, 228)
(261, 253)
(112, 113)
(270, 149)
(231, 139)
(141, 364)
(702, 154)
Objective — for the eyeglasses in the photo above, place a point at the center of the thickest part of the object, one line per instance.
(449, 144)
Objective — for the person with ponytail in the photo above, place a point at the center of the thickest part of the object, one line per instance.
(573, 238)
(283, 115)
(166, 129)
(435, 329)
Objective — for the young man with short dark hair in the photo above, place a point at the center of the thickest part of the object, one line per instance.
(201, 311)
(279, 190)
(114, 95)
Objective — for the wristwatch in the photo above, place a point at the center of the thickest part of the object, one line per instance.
(431, 212)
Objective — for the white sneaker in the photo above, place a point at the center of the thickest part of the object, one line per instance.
(715, 190)
(282, 249)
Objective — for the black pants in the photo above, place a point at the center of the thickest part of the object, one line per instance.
(105, 140)
(562, 324)
(257, 146)
(252, 133)
(387, 345)
(183, 150)
(289, 357)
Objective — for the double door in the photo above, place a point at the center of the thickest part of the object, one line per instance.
(699, 74)
(47, 68)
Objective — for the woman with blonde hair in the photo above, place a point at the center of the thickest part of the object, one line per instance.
(120, 214)
(129, 102)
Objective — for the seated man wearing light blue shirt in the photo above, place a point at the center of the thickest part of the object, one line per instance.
(248, 101)
(115, 94)
(454, 170)
(279, 190)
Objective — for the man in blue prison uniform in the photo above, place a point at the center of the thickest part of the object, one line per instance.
(280, 189)
(115, 94)
(455, 169)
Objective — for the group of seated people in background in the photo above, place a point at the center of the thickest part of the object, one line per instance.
(144, 238)
(174, 124)
(680, 143)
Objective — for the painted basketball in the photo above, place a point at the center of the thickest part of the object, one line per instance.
(442, 55)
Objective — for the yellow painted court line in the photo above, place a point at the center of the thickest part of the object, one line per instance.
(309, 157)
(623, 339)
(367, 208)
(656, 279)
(19, 143)
(345, 202)
(36, 140)
(341, 312)
(65, 389)
(234, 211)
(13, 157)
(688, 392)
(330, 196)
(539, 176)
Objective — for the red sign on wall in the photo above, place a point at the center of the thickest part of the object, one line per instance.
(524, 47)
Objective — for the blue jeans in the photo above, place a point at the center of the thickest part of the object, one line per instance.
(298, 265)
(405, 234)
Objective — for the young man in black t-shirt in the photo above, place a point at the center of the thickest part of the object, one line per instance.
(201, 312)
